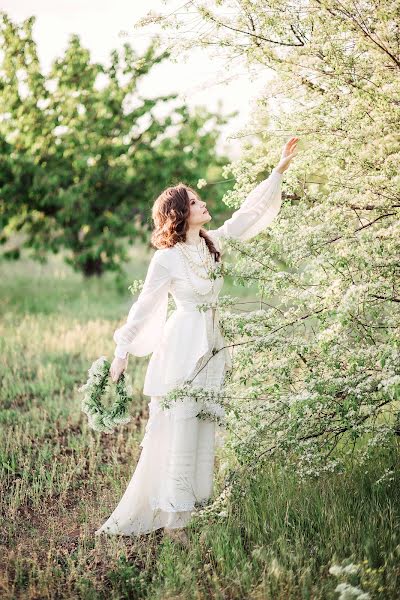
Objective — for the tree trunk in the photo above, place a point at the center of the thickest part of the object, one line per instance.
(93, 266)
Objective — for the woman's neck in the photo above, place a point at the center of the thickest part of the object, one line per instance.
(193, 236)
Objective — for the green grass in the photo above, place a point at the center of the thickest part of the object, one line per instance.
(60, 480)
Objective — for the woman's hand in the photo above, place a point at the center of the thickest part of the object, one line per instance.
(118, 366)
(288, 152)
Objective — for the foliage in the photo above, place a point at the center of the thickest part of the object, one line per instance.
(84, 154)
(317, 377)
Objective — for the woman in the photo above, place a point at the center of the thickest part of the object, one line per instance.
(174, 473)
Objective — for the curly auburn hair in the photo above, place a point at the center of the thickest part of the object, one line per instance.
(170, 214)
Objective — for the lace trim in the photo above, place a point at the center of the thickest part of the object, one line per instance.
(131, 527)
(135, 524)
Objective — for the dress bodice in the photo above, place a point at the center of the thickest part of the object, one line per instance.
(181, 289)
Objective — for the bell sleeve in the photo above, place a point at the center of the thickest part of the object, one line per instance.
(258, 210)
(142, 331)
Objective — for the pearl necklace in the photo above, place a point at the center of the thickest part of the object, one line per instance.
(201, 269)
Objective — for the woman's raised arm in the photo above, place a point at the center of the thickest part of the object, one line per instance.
(258, 210)
(263, 203)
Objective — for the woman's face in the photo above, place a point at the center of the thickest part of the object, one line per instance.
(198, 211)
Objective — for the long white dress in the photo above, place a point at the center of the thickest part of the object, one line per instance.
(174, 474)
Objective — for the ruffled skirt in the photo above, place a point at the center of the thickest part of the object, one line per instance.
(174, 474)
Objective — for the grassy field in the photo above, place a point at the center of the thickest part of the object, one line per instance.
(60, 480)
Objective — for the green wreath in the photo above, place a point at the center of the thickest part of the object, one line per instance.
(101, 418)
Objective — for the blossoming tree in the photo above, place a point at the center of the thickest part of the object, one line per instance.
(316, 371)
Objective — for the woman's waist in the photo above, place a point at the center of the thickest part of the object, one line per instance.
(189, 318)
(195, 306)
(207, 314)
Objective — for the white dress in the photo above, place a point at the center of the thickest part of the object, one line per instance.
(174, 474)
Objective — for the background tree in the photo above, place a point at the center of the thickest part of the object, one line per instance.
(84, 154)
(320, 357)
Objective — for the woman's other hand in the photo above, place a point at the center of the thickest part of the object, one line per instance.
(288, 152)
(118, 366)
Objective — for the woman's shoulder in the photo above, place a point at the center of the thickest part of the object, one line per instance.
(165, 256)
(166, 253)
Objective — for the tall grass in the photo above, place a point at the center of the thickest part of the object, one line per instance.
(60, 480)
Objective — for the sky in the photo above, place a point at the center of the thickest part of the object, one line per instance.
(103, 25)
